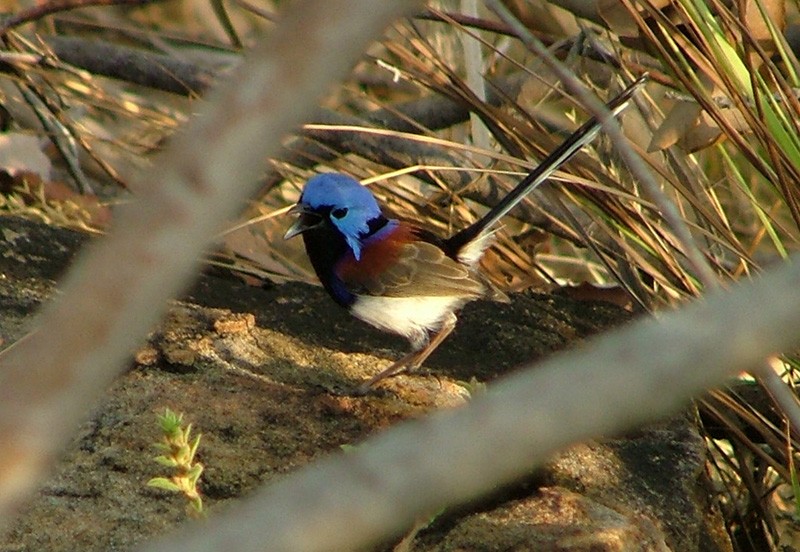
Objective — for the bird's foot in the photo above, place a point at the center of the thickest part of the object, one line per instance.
(408, 362)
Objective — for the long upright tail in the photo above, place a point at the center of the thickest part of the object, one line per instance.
(542, 172)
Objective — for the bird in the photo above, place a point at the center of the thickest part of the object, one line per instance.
(396, 275)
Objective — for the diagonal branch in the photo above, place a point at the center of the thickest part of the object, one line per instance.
(638, 374)
(120, 286)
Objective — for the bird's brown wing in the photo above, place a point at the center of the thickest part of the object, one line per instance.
(400, 267)
(423, 269)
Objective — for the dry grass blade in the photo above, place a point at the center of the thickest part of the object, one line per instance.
(743, 120)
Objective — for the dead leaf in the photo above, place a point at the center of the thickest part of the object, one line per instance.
(22, 152)
(56, 201)
(681, 117)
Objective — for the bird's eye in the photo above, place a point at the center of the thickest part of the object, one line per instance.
(339, 213)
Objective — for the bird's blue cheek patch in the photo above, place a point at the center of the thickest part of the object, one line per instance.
(353, 228)
(355, 246)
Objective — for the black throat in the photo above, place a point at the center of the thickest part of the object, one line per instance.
(326, 246)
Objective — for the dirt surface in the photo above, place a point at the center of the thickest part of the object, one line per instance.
(264, 374)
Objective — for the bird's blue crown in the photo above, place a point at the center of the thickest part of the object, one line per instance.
(351, 205)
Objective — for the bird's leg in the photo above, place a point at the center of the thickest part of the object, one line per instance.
(413, 359)
(393, 370)
(441, 335)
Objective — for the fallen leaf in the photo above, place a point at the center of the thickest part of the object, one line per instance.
(23, 153)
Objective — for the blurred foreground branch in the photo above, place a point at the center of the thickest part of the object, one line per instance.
(120, 286)
(635, 375)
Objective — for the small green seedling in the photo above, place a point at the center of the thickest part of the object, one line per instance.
(178, 453)
(473, 386)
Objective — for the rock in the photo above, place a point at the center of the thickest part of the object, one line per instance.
(555, 519)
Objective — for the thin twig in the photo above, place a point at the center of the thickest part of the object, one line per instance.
(57, 6)
(61, 137)
(780, 393)
(225, 21)
(432, 14)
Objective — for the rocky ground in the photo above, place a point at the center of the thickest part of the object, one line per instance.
(264, 373)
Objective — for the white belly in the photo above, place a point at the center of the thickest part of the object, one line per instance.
(411, 317)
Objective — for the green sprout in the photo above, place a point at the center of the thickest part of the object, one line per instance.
(178, 453)
(473, 386)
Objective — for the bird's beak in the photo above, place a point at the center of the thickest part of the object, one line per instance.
(306, 221)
